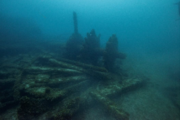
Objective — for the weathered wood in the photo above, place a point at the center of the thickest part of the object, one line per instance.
(85, 66)
(92, 71)
(110, 107)
(119, 88)
(59, 81)
(50, 71)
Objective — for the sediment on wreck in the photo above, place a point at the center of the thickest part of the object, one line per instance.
(48, 83)
(110, 107)
(123, 87)
(104, 94)
(90, 70)
(57, 88)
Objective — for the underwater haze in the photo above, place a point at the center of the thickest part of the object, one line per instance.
(148, 25)
(148, 33)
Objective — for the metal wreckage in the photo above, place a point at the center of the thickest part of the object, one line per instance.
(63, 88)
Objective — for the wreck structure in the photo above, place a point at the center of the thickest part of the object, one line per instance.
(75, 42)
(61, 88)
(89, 51)
(111, 53)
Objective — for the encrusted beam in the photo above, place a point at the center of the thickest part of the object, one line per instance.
(122, 87)
(110, 106)
(92, 71)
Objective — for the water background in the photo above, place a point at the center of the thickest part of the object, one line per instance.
(148, 30)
